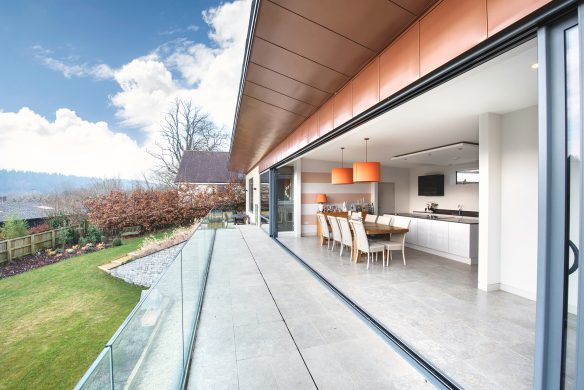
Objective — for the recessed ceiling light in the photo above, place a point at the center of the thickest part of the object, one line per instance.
(535, 66)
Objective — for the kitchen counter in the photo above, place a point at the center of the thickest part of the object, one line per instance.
(442, 217)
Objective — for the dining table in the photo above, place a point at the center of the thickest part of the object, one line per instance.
(376, 229)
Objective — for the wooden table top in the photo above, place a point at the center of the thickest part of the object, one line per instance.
(377, 228)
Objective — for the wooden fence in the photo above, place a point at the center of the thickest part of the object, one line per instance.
(27, 245)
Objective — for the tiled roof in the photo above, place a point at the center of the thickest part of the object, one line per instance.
(24, 210)
(204, 167)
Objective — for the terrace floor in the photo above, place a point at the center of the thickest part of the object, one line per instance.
(481, 340)
(268, 323)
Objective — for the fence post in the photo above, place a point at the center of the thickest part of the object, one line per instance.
(53, 238)
(32, 246)
(8, 247)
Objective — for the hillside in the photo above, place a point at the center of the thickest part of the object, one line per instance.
(16, 183)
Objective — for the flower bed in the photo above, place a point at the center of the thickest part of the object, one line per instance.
(46, 257)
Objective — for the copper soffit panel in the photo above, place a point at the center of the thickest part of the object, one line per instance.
(301, 53)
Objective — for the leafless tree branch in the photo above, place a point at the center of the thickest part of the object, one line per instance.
(186, 127)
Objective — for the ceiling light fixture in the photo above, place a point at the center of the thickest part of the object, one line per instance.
(342, 175)
(365, 171)
(535, 66)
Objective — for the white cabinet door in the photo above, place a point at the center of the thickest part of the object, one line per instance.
(412, 236)
(423, 228)
(459, 239)
(439, 236)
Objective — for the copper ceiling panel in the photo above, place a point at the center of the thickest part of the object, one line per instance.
(371, 23)
(286, 85)
(366, 88)
(503, 13)
(450, 29)
(418, 7)
(277, 99)
(299, 68)
(260, 126)
(311, 40)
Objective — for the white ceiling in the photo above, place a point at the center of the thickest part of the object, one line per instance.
(460, 153)
(446, 115)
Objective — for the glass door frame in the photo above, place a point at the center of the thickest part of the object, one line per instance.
(552, 211)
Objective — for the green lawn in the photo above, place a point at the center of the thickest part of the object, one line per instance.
(55, 320)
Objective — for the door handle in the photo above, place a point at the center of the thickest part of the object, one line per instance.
(574, 249)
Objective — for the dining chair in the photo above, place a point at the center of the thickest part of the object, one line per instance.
(385, 219)
(398, 240)
(325, 231)
(346, 234)
(336, 231)
(356, 215)
(366, 246)
(371, 218)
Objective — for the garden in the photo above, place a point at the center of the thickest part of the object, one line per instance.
(103, 222)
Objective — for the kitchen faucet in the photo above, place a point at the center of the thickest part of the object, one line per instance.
(460, 210)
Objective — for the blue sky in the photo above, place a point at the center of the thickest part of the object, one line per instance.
(115, 62)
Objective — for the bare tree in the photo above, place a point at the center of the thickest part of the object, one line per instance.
(186, 127)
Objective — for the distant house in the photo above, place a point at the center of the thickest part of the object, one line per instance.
(203, 171)
(35, 213)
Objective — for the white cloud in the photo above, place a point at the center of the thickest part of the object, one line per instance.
(206, 74)
(69, 68)
(178, 30)
(68, 145)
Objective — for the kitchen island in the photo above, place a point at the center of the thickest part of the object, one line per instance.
(450, 236)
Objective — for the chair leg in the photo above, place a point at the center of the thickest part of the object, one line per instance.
(368, 254)
(351, 249)
(342, 246)
(383, 257)
(404, 255)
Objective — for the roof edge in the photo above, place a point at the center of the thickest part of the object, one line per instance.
(253, 17)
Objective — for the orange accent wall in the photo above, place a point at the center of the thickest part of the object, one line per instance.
(446, 31)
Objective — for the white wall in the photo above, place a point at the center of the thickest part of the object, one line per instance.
(519, 202)
(401, 178)
(467, 195)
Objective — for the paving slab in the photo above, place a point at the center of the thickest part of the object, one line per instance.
(267, 323)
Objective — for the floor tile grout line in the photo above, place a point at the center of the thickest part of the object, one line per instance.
(278, 308)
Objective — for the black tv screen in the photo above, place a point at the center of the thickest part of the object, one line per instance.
(431, 185)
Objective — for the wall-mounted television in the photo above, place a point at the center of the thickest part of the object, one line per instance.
(431, 185)
(468, 176)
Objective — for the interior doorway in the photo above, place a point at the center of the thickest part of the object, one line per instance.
(386, 201)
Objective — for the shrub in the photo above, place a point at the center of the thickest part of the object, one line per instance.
(82, 241)
(117, 242)
(69, 236)
(39, 229)
(159, 208)
(14, 228)
(57, 220)
(93, 234)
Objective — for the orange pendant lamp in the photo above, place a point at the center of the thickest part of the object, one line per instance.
(342, 175)
(366, 172)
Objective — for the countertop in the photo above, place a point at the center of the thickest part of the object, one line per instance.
(440, 217)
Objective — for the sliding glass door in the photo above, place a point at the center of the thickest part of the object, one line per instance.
(285, 198)
(559, 359)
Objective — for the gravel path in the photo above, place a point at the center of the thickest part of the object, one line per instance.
(146, 270)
